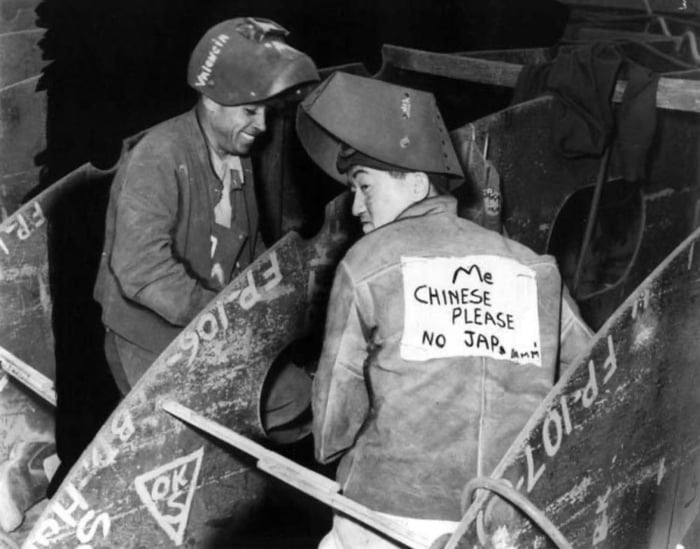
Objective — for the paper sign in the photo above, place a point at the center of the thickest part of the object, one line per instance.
(474, 306)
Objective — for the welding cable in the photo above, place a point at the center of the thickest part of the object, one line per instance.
(689, 36)
(515, 498)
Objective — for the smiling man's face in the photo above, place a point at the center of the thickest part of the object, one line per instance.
(235, 129)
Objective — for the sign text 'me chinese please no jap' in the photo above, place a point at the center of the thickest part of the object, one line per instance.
(474, 306)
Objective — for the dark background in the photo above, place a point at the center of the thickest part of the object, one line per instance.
(120, 67)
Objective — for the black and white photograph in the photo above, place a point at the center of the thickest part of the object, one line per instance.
(374, 274)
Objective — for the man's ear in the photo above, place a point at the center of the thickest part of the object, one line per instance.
(208, 104)
(420, 185)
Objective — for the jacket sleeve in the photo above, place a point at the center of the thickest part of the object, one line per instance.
(142, 257)
(575, 335)
(339, 398)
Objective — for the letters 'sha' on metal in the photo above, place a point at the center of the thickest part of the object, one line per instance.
(148, 479)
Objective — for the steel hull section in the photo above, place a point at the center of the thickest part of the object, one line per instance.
(611, 457)
(217, 366)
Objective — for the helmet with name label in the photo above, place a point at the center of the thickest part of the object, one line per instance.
(247, 60)
(354, 119)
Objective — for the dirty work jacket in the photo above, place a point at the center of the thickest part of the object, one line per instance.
(413, 432)
(155, 270)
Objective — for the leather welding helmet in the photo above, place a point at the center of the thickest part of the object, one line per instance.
(247, 60)
(397, 126)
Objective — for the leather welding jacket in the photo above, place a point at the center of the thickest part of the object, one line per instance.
(155, 270)
(412, 433)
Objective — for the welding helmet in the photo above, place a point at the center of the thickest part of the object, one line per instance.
(247, 60)
(378, 124)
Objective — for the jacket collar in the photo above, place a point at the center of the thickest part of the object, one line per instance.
(431, 206)
(221, 164)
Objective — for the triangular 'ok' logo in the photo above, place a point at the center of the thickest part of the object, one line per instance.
(167, 493)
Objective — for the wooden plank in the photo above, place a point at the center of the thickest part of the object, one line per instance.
(21, 56)
(614, 447)
(689, 7)
(587, 33)
(28, 376)
(250, 447)
(637, 47)
(672, 94)
(457, 66)
(516, 56)
(148, 480)
(305, 480)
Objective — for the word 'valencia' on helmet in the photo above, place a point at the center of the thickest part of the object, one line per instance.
(247, 60)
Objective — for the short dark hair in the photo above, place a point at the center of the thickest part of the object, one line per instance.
(398, 174)
(438, 181)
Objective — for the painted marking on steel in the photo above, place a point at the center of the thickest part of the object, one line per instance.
(558, 423)
(662, 471)
(213, 324)
(167, 493)
(602, 526)
(641, 303)
(70, 509)
(123, 426)
(23, 227)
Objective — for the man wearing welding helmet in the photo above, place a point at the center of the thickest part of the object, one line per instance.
(182, 219)
(442, 337)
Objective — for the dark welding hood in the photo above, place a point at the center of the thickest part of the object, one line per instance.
(247, 60)
(397, 126)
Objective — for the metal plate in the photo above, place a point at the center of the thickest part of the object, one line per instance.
(26, 311)
(536, 182)
(20, 56)
(16, 15)
(147, 480)
(611, 456)
(23, 111)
